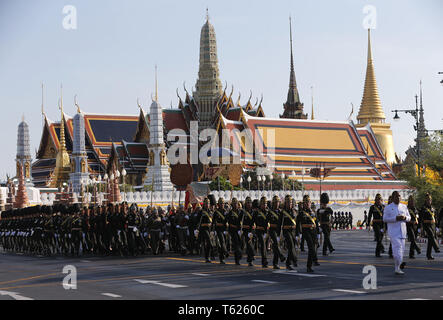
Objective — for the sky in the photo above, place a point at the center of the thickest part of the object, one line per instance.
(108, 61)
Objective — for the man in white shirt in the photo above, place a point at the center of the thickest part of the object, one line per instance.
(396, 215)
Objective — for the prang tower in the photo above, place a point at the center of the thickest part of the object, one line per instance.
(208, 86)
(23, 158)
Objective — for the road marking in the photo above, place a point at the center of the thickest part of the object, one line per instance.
(29, 278)
(348, 291)
(169, 285)
(111, 295)
(14, 295)
(417, 299)
(85, 261)
(264, 281)
(201, 274)
(296, 273)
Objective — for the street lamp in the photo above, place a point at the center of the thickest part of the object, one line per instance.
(258, 182)
(263, 178)
(293, 179)
(249, 182)
(283, 180)
(415, 113)
(302, 180)
(271, 177)
(241, 182)
(124, 173)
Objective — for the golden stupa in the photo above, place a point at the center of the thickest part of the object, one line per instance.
(371, 110)
(62, 165)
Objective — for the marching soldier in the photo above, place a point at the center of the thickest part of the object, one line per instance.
(234, 218)
(412, 228)
(376, 216)
(204, 229)
(261, 227)
(155, 226)
(181, 221)
(247, 228)
(193, 224)
(275, 230)
(428, 219)
(219, 225)
(288, 224)
(306, 225)
(324, 215)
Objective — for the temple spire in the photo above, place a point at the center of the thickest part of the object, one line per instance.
(370, 108)
(156, 85)
(293, 108)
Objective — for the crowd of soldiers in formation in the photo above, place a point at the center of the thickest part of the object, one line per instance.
(425, 222)
(213, 229)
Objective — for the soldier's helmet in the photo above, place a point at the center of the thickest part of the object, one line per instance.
(306, 198)
(234, 200)
(275, 199)
(288, 198)
(324, 198)
(378, 197)
(248, 200)
(221, 200)
(263, 200)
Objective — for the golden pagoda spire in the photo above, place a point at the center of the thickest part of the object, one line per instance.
(62, 123)
(370, 108)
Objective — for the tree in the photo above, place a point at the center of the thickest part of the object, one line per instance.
(431, 178)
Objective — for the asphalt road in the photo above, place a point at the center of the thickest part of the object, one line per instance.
(177, 277)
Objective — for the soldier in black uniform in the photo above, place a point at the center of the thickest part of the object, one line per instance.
(193, 224)
(204, 229)
(324, 215)
(288, 223)
(247, 228)
(234, 218)
(412, 228)
(219, 223)
(261, 227)
(307, 225)
(275, 230)
(365, 220)
(376, 216)
(427, 221)
(155, 226)
(76, 230)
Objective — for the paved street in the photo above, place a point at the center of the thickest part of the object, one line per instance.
(175, 277)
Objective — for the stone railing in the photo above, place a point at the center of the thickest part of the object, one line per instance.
(167, 197)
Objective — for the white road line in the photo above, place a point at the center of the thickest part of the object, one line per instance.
(417, 299)
(348, 291)
(264, 281)
(201, 274)
(111, 295)
(295, 273)
(85, 261)
(14, 295)
(169, 285)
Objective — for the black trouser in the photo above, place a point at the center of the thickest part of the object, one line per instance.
(275, 246)
(181, 237)
(236, 244)
(222, 251)
(327, 238)
(432, 242)
(249, 245)
(155, 241)
(76, 240)
(205, 239)
(412, 238)
(379, 238)
(311, 238)
(289, 239)
(261, 246)
(302, 243)
(193, 241)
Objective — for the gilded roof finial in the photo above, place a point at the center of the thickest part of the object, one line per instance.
(312, 97)
(76, 104)
(207, 14)
(62, 123)
(23, 117)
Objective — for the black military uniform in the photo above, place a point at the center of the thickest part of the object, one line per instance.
(234, 218)
(219, 222)
(275, 229)
(288, 224)
(307, 225)
(325, 217)
(247, 228)
(427, 220)
(261, 226)
(376, 216)
(412, 230)
(204, 229)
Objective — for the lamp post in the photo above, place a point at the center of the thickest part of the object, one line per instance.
(263, 178)
(302, 181)
(271, 177)
(241, 182)
(124, 173)
(293, 179)
(249, 182)
(415, 114)
(283, 180)
(258, 182)
(94, 183)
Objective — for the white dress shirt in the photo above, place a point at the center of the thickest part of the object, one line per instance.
(396, 229)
